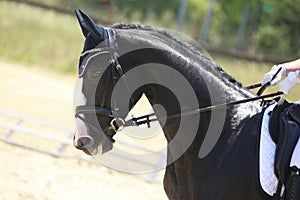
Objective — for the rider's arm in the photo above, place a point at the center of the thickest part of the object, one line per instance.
(289, 82)
(291, 66)
(293, 76)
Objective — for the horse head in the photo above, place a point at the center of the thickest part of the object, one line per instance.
(97, 64)
(99, 110)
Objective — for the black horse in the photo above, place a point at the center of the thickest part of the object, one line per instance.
(215, 156)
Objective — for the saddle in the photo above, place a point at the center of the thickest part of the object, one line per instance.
(284, 127)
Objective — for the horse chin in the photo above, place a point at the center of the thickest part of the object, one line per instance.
(90, 151)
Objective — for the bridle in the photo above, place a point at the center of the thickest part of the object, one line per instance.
(115, 70)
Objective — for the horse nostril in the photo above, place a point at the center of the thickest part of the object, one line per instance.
(84, 142)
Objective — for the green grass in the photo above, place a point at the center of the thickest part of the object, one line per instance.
(38, 37)
(244, 71)
(53, 41)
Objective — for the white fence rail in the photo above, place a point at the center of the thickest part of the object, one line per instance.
(56, 140)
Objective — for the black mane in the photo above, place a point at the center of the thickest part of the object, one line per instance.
(185, 45)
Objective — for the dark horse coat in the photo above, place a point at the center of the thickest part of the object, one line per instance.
(228, 169)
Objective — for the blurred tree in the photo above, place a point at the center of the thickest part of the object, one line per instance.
(272, 27)
(232, 12)
(129, 7)
(279, 30)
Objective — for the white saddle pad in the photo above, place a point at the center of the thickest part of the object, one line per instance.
(267, 148)
(268, 180)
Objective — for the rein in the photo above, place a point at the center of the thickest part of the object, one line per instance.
(145, 119)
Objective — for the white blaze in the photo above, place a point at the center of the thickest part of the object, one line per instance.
(79, 99)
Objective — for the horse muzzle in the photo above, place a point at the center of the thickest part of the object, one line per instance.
(93, 144)
(88, 145)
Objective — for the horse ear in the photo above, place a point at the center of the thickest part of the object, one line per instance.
(81, 23)
(88, 26)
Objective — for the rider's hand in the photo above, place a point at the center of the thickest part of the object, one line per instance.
(268, 76)
(291, 81)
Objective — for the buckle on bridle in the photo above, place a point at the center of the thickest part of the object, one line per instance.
(117, 124)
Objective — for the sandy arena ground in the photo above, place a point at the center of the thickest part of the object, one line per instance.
(30, 175)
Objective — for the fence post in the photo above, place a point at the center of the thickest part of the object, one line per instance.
(181, 15)
(242, 28)
(207, 21)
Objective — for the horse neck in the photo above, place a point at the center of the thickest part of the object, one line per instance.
(210, 83)
(212, 86)
(212, 89)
